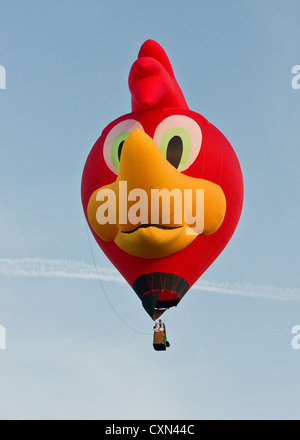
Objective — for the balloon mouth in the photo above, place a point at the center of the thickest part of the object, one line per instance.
(153, 240)
(160, 291)
(150, 225)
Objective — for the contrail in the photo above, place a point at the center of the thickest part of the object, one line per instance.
(249, 290)
(46, 268)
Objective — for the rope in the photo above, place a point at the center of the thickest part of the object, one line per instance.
(105, 294)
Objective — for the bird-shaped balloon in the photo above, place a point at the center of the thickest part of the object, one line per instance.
(162, 188)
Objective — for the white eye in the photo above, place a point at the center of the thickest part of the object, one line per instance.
(179, 138)
(114, 142)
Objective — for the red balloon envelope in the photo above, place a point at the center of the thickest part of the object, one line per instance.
(162, 188)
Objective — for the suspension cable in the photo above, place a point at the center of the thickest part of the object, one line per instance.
(105, 294)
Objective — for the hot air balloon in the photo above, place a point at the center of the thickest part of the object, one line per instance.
(162, 154)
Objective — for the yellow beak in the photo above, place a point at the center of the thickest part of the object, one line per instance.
(152, 210)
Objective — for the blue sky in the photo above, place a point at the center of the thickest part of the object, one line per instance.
(68, 354)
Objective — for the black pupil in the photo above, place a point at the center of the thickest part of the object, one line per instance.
(174, 151)
(120, 149)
